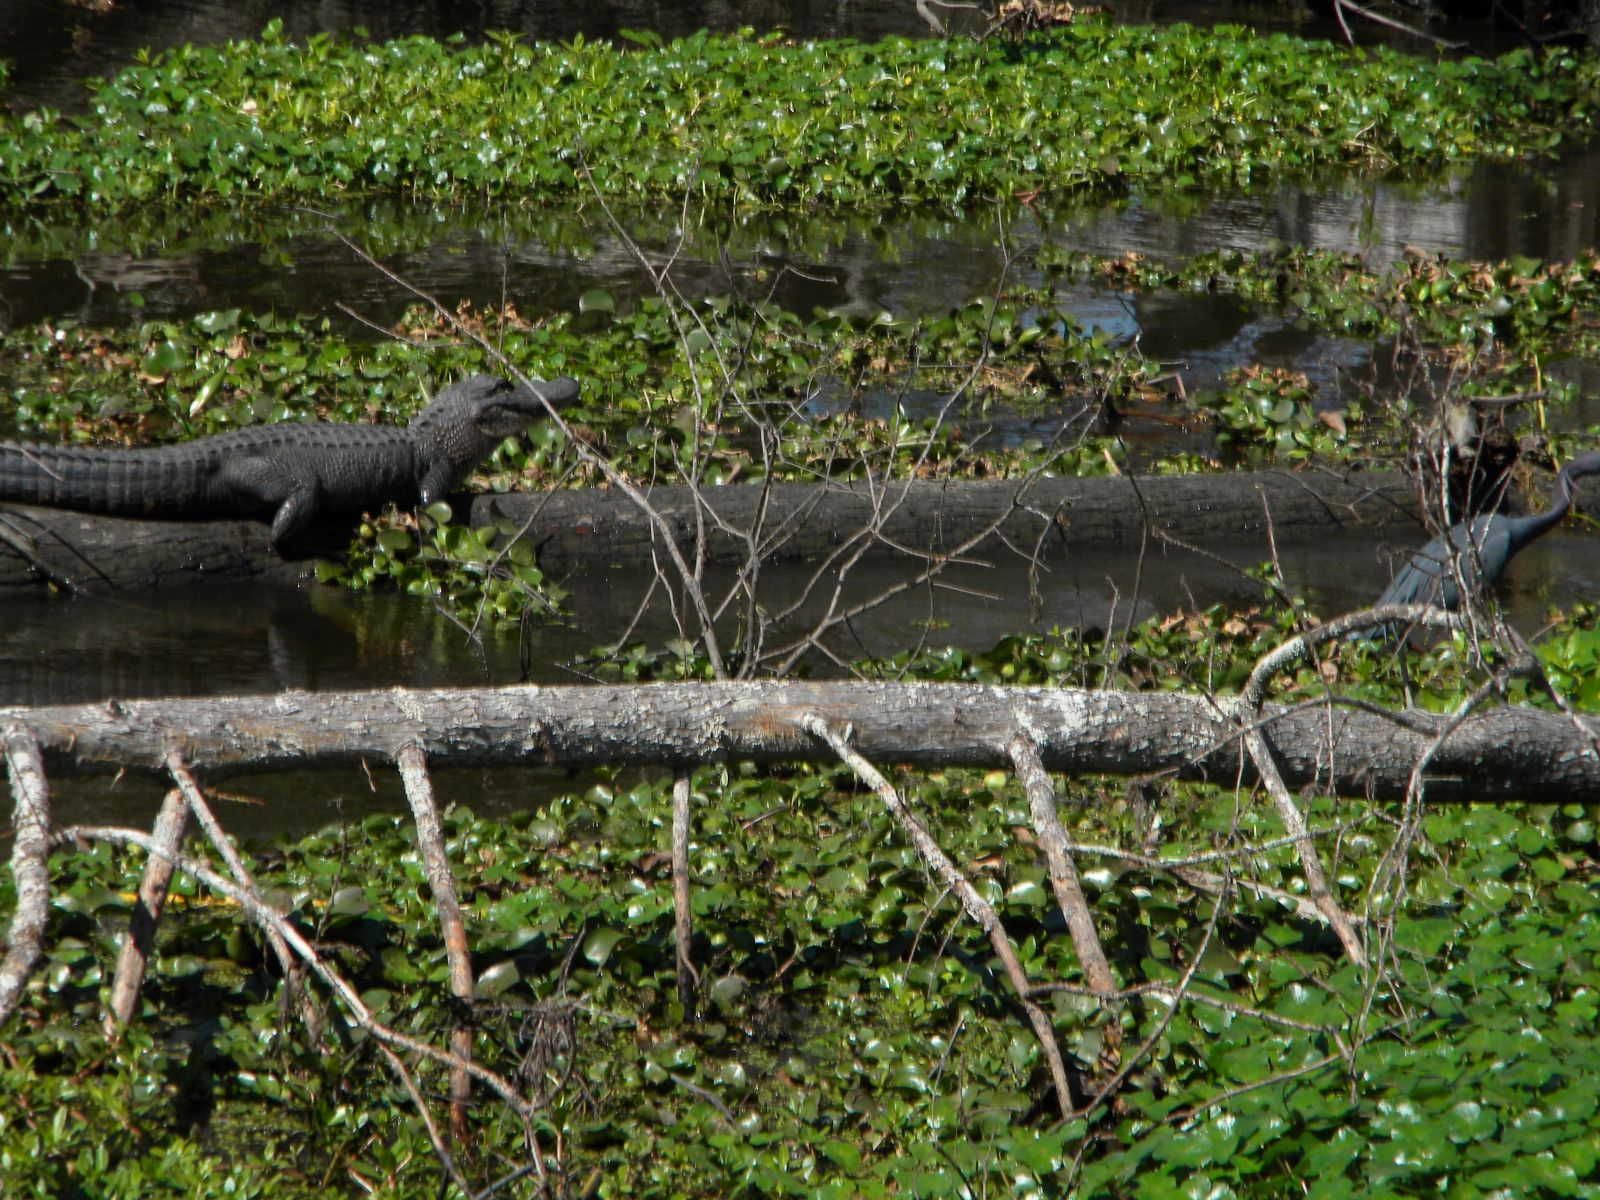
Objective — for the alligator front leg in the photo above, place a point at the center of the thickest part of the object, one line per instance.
(292, 492)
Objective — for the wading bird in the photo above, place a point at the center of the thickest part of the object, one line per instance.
(1429, 577)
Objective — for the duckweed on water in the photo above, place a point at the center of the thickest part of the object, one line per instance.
(767, 121)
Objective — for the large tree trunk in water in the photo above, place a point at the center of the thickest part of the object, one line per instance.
(80, 551)
(1505, 753)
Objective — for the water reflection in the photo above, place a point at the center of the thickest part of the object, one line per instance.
(265, 639)
(176, 264)
(543, 260)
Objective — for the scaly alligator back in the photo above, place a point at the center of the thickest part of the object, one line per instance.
(290, 472)
(142, 482)
(352, 465)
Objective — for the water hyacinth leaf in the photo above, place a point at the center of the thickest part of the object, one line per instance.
(601, 943)
(498, 978)
(218, 321)
(348, 902)
(395, 541)
(727, 989)
(162, 359)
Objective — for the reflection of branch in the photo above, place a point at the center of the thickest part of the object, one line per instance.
(1377, 18)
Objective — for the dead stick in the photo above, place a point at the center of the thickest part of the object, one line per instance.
(134, 954)
(270, 919)
(682, 930)
(1248, 711)
(1064, 880)
(1310, 861)
(430, 840)
(178, 767)
(30, 795)
(978, 909)
(266, 916)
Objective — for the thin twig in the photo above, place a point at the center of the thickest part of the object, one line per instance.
(977, 908)
(262, 914)
(178, 768)
(1030, 770)
(413, 764)
(682, 929)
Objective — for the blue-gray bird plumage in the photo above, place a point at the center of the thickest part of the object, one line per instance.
(1430, 578)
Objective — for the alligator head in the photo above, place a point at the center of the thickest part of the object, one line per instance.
(467, 420)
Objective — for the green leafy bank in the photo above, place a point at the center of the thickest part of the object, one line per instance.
(767, 121)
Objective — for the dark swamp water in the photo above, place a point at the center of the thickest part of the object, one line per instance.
(259, 639)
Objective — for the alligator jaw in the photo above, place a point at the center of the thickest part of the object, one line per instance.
(508, 412)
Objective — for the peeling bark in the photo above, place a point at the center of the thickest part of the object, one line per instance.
(30, 868)
(1495, 754)
(133, 956)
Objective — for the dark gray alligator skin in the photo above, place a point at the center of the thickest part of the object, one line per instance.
(288, 472)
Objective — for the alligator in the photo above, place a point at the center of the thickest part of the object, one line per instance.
(290, 471)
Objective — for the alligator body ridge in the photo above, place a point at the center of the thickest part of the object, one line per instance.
(287, 472)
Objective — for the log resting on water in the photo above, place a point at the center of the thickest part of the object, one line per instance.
(601, 526)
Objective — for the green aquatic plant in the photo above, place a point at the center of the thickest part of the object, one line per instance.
(769, 121)
(476, 573)
(1275, 410)
(850, 1037)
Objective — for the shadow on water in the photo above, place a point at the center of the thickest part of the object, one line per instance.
(269, 638)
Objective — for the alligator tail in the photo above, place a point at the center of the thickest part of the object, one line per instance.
(148, 482)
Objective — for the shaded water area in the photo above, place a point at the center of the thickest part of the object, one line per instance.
(256, 638)
(272, 637)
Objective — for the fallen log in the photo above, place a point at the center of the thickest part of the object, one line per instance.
(792, 520)
(1496, 754)
(80, 551)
